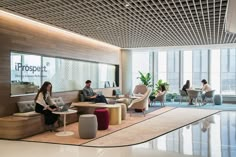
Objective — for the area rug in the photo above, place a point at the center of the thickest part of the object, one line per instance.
(50, 137)
(152, 127)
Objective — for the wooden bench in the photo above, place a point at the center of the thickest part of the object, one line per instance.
(21, 125)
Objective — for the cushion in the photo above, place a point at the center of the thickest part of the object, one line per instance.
(59, 101)
(81, 98)
(26, 106)
(26, 114)
(116, 92)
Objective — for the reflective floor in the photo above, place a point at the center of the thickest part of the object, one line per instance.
(214, 136)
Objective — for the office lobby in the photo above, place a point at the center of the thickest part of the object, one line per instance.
(118, 78)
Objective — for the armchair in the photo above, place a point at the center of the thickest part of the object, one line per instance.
(141, 103)
(160, 98)
(140, 90)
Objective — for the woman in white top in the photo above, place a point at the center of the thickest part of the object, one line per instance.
(45, 105)
(205, 88)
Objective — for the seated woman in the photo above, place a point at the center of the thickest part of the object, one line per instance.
(185, 88)
(205, 88)
(160, 95)
(45, 105)
(161, 91)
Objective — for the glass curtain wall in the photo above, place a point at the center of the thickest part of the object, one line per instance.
(228, 71)
(217, 66)
(200, 67)
(140, 62)
(173, 70)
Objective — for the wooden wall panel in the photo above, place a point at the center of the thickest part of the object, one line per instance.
(27, 36)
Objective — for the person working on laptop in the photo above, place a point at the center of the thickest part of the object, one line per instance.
(45, 105)
(90, 95)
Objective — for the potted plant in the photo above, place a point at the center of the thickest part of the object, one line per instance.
(145, 79)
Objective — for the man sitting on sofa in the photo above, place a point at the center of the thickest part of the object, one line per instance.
(90, 95)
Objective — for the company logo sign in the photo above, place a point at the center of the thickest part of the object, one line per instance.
(30, 68)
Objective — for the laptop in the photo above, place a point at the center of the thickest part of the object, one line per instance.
(64, 108)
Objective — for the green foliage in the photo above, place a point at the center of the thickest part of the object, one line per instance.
(145, 79)
(160, 83)
(173, 95)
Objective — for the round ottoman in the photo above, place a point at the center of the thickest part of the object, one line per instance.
(88, 126)
(218, 100)
(123, 111)
(102, 118)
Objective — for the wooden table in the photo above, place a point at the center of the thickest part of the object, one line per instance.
(198, 95)
(122, 96)
(114, 110)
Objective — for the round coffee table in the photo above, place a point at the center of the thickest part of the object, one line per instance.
(64, 132)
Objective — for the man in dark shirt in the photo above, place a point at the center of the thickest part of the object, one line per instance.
(90, 95)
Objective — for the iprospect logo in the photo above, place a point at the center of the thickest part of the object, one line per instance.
(33, 69)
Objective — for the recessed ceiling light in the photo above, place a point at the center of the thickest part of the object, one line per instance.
(127, 5)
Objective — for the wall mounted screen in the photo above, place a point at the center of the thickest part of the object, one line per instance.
(29, 71)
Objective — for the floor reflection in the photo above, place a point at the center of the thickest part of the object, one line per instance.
(214, 136)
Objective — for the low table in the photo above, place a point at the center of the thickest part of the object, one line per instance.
(64, 132)
(114, 110)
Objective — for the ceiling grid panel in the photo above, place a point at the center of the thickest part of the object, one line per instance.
(133, 23)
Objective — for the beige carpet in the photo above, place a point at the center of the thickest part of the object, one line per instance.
(50, 137)
(152, 127)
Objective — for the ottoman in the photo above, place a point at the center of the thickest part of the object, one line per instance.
(87, 126)
(218, 100)
(102, 118)
(123, 111)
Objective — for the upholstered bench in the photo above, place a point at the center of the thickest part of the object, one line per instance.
(27, 122)
(218, 99)
(88, 126)
(102, 118)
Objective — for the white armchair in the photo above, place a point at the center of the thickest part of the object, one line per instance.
(141, 103)
(140, 90)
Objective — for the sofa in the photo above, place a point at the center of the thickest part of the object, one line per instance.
(27, 122)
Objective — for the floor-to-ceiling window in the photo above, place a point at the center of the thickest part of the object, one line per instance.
(228, 71)
(216, 65)
(200, 66)
(187, 66)
(215, 70)
(140, 62)
(173, 69)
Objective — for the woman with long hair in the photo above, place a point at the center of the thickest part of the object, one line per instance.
(45, 105)
(185, 88)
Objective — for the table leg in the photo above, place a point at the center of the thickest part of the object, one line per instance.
(64, 132)
(64, 128)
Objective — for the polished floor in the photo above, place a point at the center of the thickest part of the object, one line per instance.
(214, 136)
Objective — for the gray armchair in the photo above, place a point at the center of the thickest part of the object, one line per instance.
(183, 95)
(209, 96)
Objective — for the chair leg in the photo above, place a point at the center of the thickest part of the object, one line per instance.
(143, 112)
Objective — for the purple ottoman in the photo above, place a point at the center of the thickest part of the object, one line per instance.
(102, 118)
